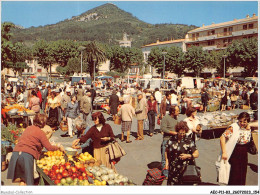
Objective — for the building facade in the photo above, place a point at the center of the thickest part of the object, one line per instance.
(146, 49)
(219, 36)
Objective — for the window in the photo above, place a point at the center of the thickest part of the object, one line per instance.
(193, 35)
(225, 40)
(250, 26)
(230, 29)
(211, 43)
(213, 32)
(244, 27)
(197, 34)
(229, 40)
(39, 70)
(225, 29)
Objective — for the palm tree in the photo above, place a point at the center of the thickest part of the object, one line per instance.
(94, 55)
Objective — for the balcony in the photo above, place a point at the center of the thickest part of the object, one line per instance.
(212, 47)
(245, 32)
(205, 38)
(224, 34)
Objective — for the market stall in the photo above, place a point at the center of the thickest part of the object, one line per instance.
(14, 112)
(70, 168)
(215, 123)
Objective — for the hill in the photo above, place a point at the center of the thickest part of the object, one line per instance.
(105, 24)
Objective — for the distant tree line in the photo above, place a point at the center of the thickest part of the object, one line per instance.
(67, 54)
(243, 53)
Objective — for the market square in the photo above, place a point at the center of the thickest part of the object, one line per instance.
(116, 110)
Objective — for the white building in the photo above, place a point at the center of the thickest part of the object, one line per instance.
(146, 49)
(125, 42)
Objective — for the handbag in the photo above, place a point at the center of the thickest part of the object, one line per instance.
(118, 120)
(223, 171)
(115, 151)
(158, 121)
(191, 175)
(251, 148)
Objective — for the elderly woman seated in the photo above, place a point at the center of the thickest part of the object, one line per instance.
(82, 129)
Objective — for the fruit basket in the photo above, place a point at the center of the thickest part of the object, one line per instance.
(58, 168)
(63, 126)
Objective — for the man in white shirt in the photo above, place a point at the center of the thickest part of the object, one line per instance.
(174, 98)
(158, 97)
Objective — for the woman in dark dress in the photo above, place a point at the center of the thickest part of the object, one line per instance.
(113, 104)
(224, 102)
(52, 105)
(180, 151)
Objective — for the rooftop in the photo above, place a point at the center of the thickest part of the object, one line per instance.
(229, 23)
(164, 42)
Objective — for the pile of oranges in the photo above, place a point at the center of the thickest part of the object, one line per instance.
(54, 153)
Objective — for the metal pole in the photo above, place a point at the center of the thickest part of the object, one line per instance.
(94, 74)
(81, 67)
(224, 66)
(163, 68)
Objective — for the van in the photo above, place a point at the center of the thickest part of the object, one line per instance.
(191, 82)
(153, 83)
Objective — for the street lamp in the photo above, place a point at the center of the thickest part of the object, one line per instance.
(224, 56)
(164, 53)
(81, 48)
(94, 60)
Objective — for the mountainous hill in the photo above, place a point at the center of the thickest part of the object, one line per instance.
(105, 24)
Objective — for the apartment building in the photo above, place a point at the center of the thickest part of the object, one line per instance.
(219, 36)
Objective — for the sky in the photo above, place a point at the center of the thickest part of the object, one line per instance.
(40, 13)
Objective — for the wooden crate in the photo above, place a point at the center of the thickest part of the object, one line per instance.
(244, 107)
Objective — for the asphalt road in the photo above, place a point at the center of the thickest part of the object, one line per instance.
(141, 153)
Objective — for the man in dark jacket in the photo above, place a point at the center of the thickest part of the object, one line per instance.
(204, 99)
(44, 93)
(254, 103)
(113, 104)
(93, 95)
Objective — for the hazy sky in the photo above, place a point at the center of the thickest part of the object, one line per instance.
(36, 13)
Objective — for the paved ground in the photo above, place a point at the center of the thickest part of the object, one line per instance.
(141, 153)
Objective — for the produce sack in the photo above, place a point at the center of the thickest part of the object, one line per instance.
(118, 120)
(115, 151)
(223, 171)
(154, 177)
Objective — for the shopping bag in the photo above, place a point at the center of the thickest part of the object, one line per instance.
(146, 124)
(191, 175)
(115, 151)
(223, 171)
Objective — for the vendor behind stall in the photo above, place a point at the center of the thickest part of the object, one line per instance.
(82, 129)
(29, 147)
